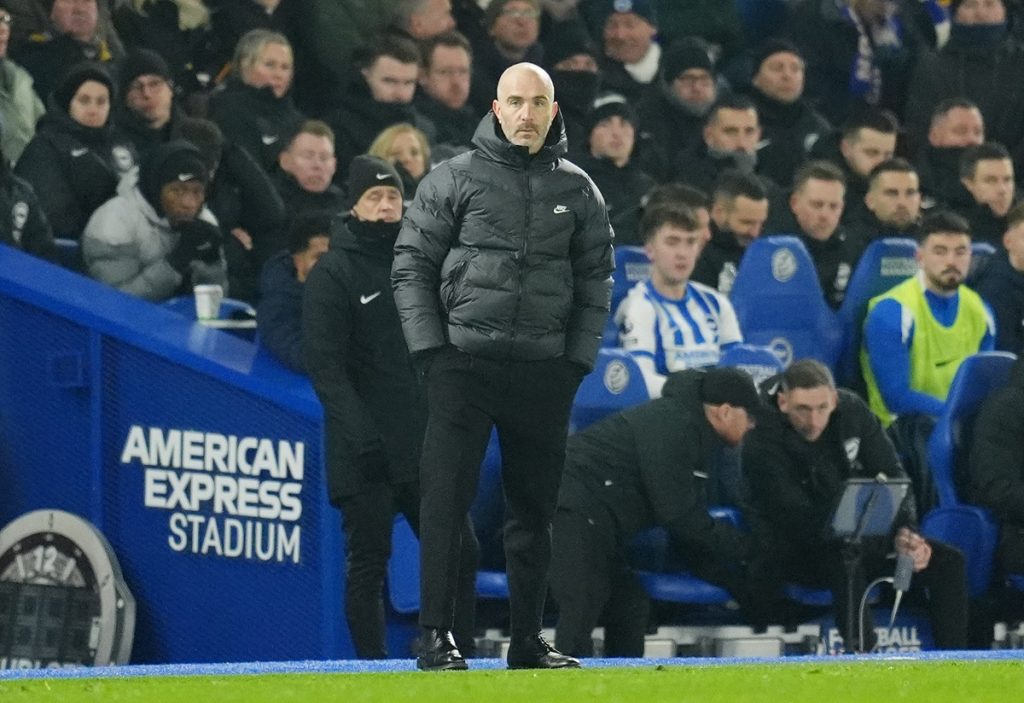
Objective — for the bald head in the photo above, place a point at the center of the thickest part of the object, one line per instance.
(525, 106)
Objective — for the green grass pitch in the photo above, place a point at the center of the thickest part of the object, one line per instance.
(870, 681)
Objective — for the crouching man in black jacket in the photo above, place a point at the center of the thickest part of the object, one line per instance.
(653, 465)
(796, 462)
(374, 409)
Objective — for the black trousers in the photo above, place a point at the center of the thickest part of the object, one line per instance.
(945, 581)
(367, 519)
(592, 583)
(528, 402)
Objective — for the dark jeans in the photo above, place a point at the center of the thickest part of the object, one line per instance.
(593, 583)
(528, 402)
(821, 566)
(367, 519)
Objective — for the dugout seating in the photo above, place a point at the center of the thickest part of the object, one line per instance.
(615, 383)
(780, 305)
(981, 252)
(885, 263)
(648, 552)
(631, 267)
(759, 362)
(969, 528)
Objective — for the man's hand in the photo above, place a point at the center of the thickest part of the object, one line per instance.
(242, 236)
(909, 542)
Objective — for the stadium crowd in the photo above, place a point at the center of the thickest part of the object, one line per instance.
(169, 143)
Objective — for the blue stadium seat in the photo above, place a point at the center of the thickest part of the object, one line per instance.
(981, 252)
(779, 302)
(883, 264)
(614, 384)
(404, 569)
(759, 362)
(648, 550)
(969, 528)
(631, 267)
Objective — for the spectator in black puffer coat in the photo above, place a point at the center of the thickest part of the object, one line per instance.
(23, 223)
(254, 109)
(76, 160)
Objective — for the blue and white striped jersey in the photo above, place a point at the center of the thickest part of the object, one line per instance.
(672, 335)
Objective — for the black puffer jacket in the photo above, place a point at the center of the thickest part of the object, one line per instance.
(74, 169)
(255, 119)
(505, 255)
(353, 349)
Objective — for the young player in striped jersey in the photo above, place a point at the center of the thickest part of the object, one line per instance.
(668, 322)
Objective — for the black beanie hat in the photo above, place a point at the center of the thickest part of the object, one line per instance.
(173, 161)
(610, 106)
(730, 385)
(367, 171)
(566, 39)
(682, 55)
(73, 80)
(142, 62)
(773, 46)
(643, 8)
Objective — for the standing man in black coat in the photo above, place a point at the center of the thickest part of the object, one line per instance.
(796, 461)
(502, 280)
(373, 405)
(653, 465)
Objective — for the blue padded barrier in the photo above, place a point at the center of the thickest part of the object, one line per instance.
(199, 459)
(779, 302)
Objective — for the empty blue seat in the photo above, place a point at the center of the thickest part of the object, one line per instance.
(759, 362)
(649, 549)
(969, 528)
(614, 384)
(885, 263)
(779, 302)
(981, 252)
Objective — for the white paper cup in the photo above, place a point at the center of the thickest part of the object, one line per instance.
(208, 297)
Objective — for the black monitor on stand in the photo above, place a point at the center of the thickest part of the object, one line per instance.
(867, 507)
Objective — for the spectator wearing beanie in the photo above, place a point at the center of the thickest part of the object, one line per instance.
(374, 419)
(147, 109)
(512, 32)
(571, 57)
(20, 107)
(158, 239)
(673, 112)
(242, 197)
(789, 125)
(611, 141)
(630, 56)
(178, 30)
(79, 30)
(76, 160)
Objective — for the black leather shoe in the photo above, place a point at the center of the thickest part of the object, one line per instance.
(438, 651)
(534, 652)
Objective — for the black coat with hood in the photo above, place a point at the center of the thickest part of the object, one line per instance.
(73, 168)
(506, 255)
(256, 119)
(356, 356)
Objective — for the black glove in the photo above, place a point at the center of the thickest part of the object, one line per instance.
(202, 237)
